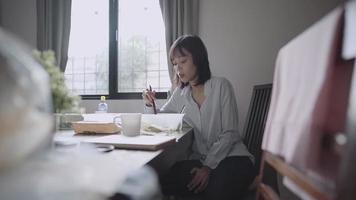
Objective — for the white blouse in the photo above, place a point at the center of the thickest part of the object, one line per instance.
(215, 124)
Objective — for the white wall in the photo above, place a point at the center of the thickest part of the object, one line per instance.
(243, 37)
(19, 17)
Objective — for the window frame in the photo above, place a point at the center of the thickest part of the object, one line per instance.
(113, 62)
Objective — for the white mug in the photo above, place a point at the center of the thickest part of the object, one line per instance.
(131, 124)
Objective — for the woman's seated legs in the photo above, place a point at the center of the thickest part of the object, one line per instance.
(176, 181)
(229, 180)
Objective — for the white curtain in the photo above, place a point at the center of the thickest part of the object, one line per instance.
(53, 28)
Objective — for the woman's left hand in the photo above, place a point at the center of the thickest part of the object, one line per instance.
(200, 179)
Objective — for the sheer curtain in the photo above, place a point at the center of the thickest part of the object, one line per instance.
(53, 28)
(180, 17)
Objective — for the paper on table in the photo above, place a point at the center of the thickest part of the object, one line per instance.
(142, 142)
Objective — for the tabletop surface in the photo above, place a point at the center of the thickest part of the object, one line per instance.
(111, 167)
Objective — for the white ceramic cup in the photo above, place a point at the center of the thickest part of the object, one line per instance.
(131, 124)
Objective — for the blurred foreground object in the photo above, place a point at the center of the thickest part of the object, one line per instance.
(29, 168)
(25, 103)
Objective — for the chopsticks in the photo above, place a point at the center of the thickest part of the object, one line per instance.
(153, 103)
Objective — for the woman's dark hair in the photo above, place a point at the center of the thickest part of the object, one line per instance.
(195, 46)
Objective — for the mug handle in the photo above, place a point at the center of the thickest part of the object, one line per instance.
(115, 118)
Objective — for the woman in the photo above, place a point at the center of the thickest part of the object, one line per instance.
(220, 166)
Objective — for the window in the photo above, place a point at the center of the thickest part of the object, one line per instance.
(117, 48)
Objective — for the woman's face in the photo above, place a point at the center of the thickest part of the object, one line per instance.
(184, 66)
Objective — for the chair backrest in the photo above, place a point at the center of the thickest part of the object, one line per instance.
(256, 120)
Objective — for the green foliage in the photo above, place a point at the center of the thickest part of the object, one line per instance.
(63, 100)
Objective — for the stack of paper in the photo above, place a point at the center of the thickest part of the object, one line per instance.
(141, 142)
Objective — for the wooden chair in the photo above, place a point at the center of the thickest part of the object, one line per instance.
(254, 129)
(346, 180)
(256, 119)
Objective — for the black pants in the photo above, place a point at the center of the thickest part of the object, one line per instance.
(229, 180)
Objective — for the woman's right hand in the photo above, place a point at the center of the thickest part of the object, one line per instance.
(149, 97)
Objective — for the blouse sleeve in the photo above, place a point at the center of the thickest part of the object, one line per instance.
(229, 121)
(171, 106)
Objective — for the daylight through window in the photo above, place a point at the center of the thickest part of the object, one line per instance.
(140, 54)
